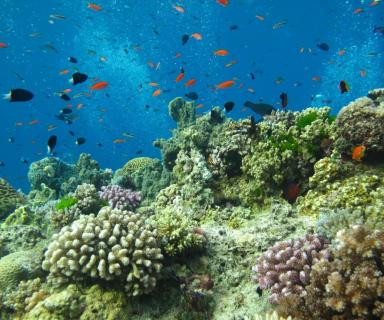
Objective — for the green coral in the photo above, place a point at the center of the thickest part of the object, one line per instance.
(183, 112)
(9, 198)
(177, 233)
(66, 202)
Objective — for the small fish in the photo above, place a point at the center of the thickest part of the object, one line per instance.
(179, 8)
(230, 64)
(279, 80)
(118, 141)
(139, 151)
(228, 106)
(363, 73)
(57, 16)
(180, 76)
(358, 153)
(252, 75)
(259, 17)
(80, 141)
(99, 144)
(18, 95)
(33, 122)
(343, 86)
(51, 127)
(153, 84)
(221, 52)
(323, 46)
(66, 111)
(51, 144)
(197, 36)
(65, 97)
(316, 78)
(279, 25)
(78, 77)
(99, 85)
(379, 30)
(233, 27)
(291, 192)
(190, 82)
(2, 164)
(72, 59)
(11, 139)
(3, 45)
(192, 95)
(358, 10)
(24, 160)
(223, 2)
(156, 93)
(262, 109)
(284, 99)
(184, 39)
(94, 6)
(65, 71)
(225, 84)
(71, 133)
(341, 52)
(35, 34)
(259, 291)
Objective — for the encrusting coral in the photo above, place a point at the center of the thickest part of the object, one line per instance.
(114, 245)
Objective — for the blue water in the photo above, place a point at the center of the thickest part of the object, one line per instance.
(122, 42)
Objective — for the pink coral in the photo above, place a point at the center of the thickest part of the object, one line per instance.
(120, 198)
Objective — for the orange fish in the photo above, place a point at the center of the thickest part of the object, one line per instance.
(67, 90)
(119, 141)
(156, 93)
(179, 77)
(261, 18)
(221, 52)
(179, 8)
(32, 122)
(358, 10)
(190, 82)
(197, 36)
(316, 78)
(99, 85)
(358, 153)
(341, 52)
(225, 84)
(154, 84)
(3, 45)
(223, 2)
(363, 73)
(94, 6)
(65, 71)
(80, 106)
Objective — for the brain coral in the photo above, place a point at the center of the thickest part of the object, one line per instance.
(361, 123)
(114, 245)
(9, 198)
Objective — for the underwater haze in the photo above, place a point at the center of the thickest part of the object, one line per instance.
(273, 47)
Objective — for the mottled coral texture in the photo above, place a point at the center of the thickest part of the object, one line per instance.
(115, 245)
(119, 197)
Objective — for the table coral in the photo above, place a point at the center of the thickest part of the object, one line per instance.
(114, 245)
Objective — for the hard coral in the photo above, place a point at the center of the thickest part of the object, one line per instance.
(9, 198)
(114, 245)
(119, 197)
(183, 112)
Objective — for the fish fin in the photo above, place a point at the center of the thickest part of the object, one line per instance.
(7, 96)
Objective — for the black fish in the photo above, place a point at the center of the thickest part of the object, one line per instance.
(78, 77)
(284, 99)
(139, 151)
(259, 291)
(323, 46)
(66, 111)
(80, 141)
(72, 59)
(228, 106)
(71, 133)
(99, 144)
(51, 144)
(23, 160)
(65, 97)
(343, 86)
(67, 118)
(379, 30)
(262, 109)
(11, 140)
(18, 95)
(184, 39)
(233, 27)
(252, 76)
(192, 95)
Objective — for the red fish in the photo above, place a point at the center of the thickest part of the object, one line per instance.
(358, 153)
(291, 192)
(94, 6)
(225, 84)
(179, 77)
(190, 82)
(156, 93)
(3, 45)
(221, 52)
(223, 2)
(99, 85)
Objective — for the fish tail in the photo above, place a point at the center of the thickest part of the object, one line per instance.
(7, 96)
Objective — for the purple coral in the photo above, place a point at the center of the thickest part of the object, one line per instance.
(285, 267)
(119, 197)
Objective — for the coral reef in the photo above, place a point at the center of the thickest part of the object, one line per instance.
(183, 112)
(9, 198)
(120, 198)
(285, 268)
(61, 178)
(114, 245)
(361, 123)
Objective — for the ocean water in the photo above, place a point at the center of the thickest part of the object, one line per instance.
(131, 43)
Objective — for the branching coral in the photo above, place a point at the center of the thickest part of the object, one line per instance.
(114, 245)
(120, 198)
